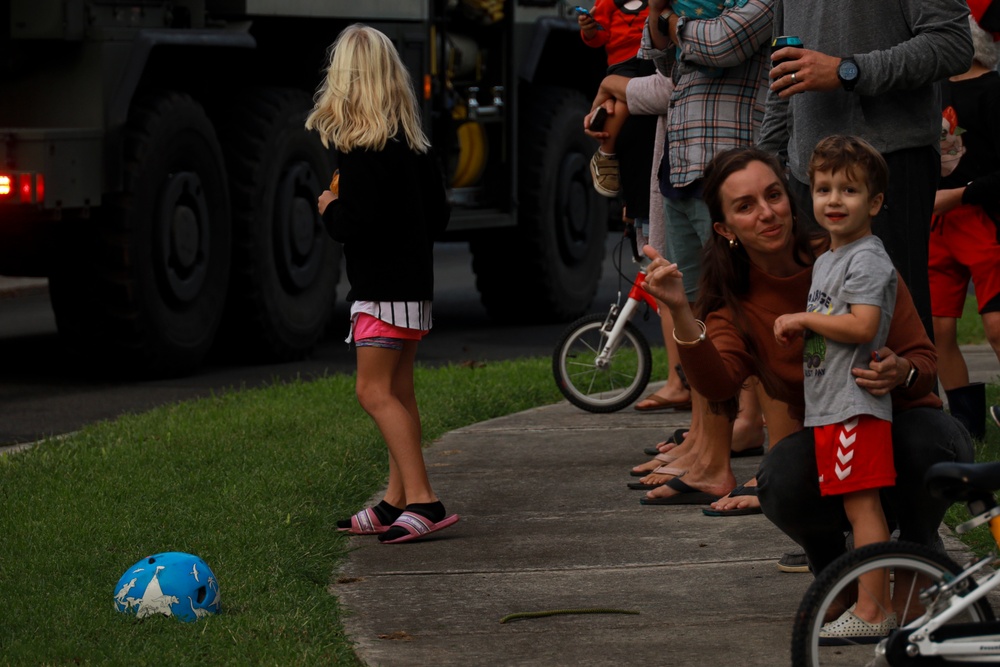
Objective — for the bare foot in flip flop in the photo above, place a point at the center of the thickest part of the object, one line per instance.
(662, 475)
(691, 488)
(740, 501)
(667, 398)
(652, 464)
(671, 443)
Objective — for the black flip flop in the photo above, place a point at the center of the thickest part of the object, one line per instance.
(740, 490)
(676, 438)
(686, 495)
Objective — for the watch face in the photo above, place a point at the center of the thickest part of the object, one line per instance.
(848, 70)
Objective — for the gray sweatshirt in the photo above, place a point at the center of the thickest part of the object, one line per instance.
(902, 47)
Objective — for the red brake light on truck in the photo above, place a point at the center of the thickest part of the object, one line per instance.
(24, 188)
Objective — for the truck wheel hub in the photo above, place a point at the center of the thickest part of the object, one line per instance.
(297, 228)
(183, 241)
(571, 207)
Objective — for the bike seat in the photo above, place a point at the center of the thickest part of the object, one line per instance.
(963, 481)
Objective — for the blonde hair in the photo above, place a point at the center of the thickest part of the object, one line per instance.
(367, 96)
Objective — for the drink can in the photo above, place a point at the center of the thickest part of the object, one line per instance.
(782, 42)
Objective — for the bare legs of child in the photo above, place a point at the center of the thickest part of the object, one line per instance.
(384, 388)
(874, 605)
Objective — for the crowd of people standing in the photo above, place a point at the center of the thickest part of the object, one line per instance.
(741, 221)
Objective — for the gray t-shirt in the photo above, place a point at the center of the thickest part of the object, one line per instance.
(857, 273)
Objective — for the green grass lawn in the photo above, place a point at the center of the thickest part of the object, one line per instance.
(251, 481)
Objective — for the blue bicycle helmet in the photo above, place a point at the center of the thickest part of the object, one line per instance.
(173, 584)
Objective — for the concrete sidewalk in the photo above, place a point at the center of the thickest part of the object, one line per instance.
(548, 523)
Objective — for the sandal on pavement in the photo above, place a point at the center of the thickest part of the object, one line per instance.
(417, 526)
(675, 438)
(686, 495)
(662, 458)
(662, 470)
(849, 629)
(660, 403)
(365, 522)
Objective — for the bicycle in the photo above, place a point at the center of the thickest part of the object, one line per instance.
(602, 362)
(943, 615)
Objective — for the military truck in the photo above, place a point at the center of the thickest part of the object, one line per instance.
(154, 165)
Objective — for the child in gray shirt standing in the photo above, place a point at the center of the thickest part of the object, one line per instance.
(845, 324)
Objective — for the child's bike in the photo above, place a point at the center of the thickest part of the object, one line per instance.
(943, 615)
(602, 362)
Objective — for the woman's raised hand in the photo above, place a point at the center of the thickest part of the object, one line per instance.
(663, 280)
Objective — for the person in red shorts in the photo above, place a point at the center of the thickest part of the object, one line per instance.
(850, 306)
(965, 241)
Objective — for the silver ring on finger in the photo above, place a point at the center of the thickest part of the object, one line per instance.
(793, 78)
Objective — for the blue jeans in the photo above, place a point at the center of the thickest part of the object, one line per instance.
(788, 487)
(687, 226)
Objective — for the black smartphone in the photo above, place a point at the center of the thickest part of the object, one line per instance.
(584, 12)
(598, 119)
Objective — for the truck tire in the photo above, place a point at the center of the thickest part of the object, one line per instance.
(285, 266)
(547, 270)
(141, 288)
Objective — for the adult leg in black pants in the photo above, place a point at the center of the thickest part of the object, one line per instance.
(788, 488)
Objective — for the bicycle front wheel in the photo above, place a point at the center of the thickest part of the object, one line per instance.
(595, 385)
(910, 568)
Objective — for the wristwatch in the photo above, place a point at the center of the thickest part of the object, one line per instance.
(848, 73)
(911, 377)
(663, 22)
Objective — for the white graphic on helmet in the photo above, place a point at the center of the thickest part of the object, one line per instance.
(194, 571)
(153, 600)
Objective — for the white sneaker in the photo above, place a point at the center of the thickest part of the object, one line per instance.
(849, 629)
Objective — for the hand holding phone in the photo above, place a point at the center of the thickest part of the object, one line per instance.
(597, 120)
(586, 13)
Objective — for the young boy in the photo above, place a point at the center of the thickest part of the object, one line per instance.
(845, 324)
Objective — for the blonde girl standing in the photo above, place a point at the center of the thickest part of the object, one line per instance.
(388, 206)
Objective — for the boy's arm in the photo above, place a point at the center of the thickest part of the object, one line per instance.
(858, 326)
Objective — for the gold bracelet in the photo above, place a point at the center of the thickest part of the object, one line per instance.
(699, 339)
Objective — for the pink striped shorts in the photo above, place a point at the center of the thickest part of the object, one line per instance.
(372, 332)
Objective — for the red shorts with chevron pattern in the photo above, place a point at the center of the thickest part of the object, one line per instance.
(854, 455)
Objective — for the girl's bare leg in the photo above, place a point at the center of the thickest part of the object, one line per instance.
(384, 389)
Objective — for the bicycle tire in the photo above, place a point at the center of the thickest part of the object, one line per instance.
(843, 573)
(595, 389)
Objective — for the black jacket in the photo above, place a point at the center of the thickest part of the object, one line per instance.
(391, 206)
